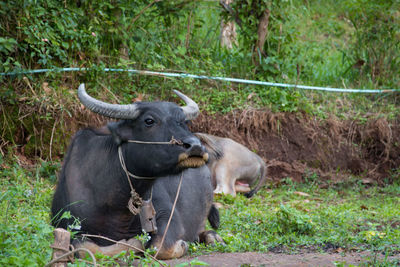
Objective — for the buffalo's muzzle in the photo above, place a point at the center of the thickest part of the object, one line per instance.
(186, 161)
(193, 146)
(195, 154)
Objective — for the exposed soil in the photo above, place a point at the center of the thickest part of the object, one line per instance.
(282, 260)
(296, 145)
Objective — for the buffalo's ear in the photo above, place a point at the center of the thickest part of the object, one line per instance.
(113, 127)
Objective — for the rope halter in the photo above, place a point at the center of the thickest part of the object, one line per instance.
(136, 204)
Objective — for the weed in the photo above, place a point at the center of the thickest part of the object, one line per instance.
(289, 220)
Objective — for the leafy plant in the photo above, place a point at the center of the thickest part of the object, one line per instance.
(288, 220)
(25, 232)
(373, 53)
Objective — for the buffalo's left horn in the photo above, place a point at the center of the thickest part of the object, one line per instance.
(191, 109)
(115, 111)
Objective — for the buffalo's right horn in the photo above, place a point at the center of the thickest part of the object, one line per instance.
(191, 109)
(115, 111)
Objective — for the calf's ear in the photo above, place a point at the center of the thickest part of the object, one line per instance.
(113, 128)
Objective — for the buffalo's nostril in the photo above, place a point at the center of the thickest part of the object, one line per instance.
(193, 146)
(196, 150)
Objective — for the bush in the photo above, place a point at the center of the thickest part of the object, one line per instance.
(373, 53)
(289, 220)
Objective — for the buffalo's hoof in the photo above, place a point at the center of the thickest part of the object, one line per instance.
(177, 250)
(210, 237)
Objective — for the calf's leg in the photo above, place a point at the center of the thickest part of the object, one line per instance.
(225, 183)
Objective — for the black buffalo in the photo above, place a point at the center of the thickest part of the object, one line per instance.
(94, 187)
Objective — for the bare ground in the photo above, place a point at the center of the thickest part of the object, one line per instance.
(282, 260)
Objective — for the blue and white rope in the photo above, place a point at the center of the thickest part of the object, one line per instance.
(193, 76)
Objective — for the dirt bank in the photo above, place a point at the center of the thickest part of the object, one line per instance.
(295, 145)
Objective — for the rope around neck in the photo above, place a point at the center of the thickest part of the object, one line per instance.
(135, 201)
(121, 159)
(173, 141)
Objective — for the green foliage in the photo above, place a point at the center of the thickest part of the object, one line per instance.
(248, 14)
(289, 220)
(48, 170)
(346, 216)
(376, 42)
(194, 262)
(25, 232)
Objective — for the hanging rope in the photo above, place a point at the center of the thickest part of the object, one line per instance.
(173, 141)
(170, 216)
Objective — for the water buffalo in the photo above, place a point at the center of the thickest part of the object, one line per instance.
(231, 162)
(108, 173)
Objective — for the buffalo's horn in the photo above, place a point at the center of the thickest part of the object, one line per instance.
(191, 109)
(115, 111)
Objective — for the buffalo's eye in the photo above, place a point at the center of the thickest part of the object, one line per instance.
(149, 122)
(183, 123)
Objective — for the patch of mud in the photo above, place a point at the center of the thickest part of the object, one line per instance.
(295, 145)
(282, 260)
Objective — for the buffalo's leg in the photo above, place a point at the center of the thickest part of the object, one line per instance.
(122, 245)
(210, 237)
(173, 246)
(242, 188)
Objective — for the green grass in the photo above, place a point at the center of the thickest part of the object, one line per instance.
(348, 218)
(345, 215)
(25, 233)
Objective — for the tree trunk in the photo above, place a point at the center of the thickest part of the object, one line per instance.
(262, 32)
(61, 246)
